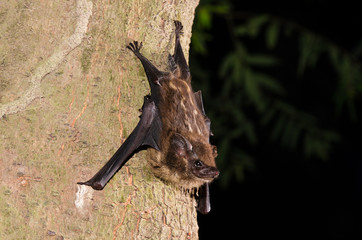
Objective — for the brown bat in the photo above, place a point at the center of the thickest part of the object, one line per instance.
(174, 126)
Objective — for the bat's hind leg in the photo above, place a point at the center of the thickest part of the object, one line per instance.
(153, 74)
(178, 29)
(178, 56)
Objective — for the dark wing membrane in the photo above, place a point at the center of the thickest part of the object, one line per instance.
(200, 104)
(146, 134)
(198, 97)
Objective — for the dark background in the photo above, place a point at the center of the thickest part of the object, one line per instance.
(267, 188)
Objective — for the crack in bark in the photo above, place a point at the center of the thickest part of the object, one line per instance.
(84, 11)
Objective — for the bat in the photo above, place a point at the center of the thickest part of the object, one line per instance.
(173, 126)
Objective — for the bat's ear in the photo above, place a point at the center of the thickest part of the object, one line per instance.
(181, 144)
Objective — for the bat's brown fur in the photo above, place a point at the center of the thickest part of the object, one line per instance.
(181, 115)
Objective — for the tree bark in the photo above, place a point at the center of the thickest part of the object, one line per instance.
(69, 96)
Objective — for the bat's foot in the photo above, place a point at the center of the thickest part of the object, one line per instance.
(179, 28)
(135, 47)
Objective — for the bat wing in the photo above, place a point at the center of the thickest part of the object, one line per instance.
(198, 97)
(146, 134)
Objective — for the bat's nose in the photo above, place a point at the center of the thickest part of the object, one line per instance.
(216, 173)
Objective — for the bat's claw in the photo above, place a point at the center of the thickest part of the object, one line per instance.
(179, 28)
(135, 47)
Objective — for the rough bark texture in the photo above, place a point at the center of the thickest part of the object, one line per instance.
(69, 95)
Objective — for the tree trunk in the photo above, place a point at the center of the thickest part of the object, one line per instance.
(69, 96)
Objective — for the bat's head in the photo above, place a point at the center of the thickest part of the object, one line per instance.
(193, 161)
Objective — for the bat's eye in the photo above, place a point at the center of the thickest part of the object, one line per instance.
(198, 163)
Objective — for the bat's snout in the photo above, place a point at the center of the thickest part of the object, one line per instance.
(208, 173)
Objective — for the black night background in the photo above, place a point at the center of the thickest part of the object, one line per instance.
(282, 84)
